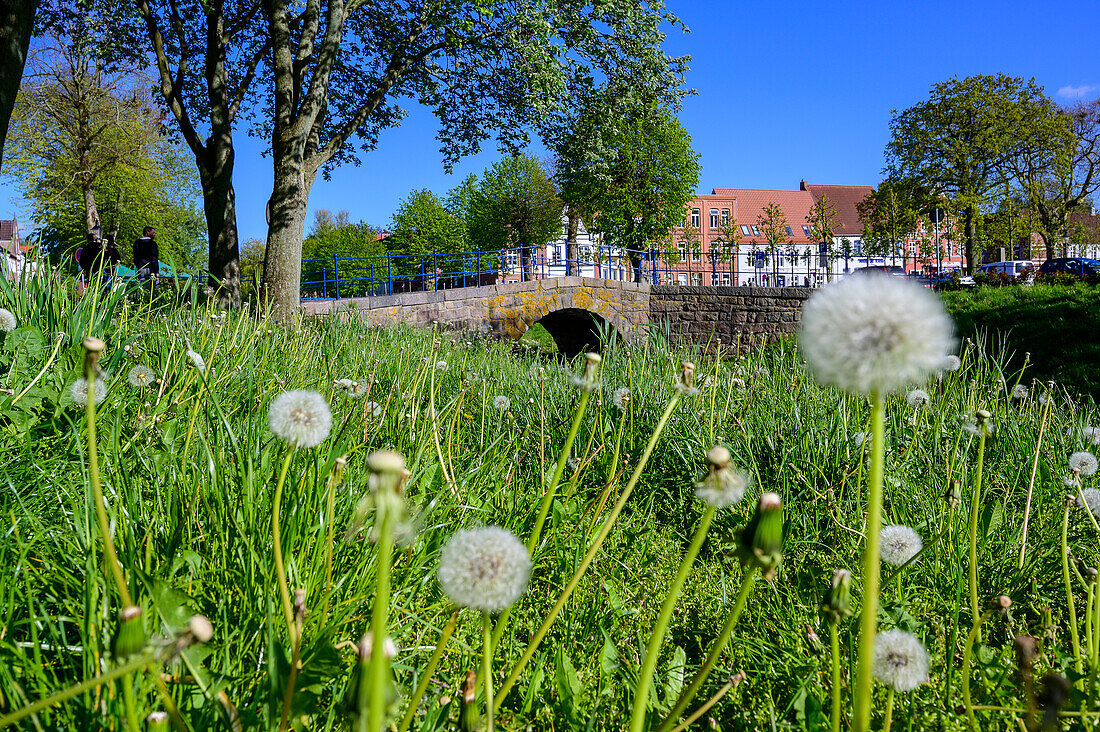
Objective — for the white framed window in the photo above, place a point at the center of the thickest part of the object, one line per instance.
(696, 278)
(695, 218)
(725, 217)
(681, 248)
(755, 230)
(682, 279)
(695, 255)
(745, 230)
(789, 232)
(714, 218)
(805, 230)
(725, 279)
(556, 256)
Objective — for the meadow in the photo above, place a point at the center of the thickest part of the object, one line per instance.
(293, 552)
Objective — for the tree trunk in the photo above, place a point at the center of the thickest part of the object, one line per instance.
(572, 250)
(16, 21)
(283, 260)
(91, 211)
(971, 237)
(219, 205)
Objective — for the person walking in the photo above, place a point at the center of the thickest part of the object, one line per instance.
(146, 256)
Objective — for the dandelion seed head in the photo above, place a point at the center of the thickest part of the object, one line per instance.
(374, 409)
(7, 321)
(722, 487)
(621, 398)
(918, 398)
(1092, 500)
(874, 334)
(859, 438)
(951, 362)
(300, 418)
(1019, 392)
(441, 365)
(141, 376)
(1083, 462)
(901, 662)
(899, 543)
(484, 568)
(79, 391)
(502, 403)
(1091, 434)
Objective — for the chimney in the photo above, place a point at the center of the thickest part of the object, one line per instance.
(802, 186)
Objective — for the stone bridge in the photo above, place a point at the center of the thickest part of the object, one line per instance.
(577, 310)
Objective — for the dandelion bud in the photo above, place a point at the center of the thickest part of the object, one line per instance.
(470, 717)
(685, 382)
(718, 456)
(93, 345)
(1090, 574)
(366, 647)
(386, 461)
(357, 696)
(200, 628)
(130, 639)
(300, 610)
(762, 537)
(1071, 500)
(954, 493)
(156, 722)
(838, 598)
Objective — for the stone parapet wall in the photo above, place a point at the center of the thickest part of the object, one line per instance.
(740, 317)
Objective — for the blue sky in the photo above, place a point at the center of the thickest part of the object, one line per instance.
(784, 92)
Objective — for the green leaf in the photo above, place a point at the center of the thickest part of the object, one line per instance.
(675, 681)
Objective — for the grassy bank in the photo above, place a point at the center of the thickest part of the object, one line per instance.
(189, 466)
(1058, 325)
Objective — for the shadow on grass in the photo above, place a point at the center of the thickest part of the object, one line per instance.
(1058, 325)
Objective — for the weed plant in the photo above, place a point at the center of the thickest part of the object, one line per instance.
(189, 470)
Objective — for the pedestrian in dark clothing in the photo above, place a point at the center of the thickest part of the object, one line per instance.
(89, 254)
(146, 256)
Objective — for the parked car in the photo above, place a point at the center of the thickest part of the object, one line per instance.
(1080, 267)
(951, 279)
(881, 269)
(1012, 268)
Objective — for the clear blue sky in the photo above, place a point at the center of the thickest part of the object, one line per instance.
(785, 91)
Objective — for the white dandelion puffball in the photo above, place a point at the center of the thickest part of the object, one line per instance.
(917, 398)
(722, 488)
(859, 438)
(374, 409)
(900, 660)
(1019, 392)
(1092, 500)
(79, 391)
(484, 569)
(899, 544)
(7, 320)
(621, 398)
(141, 376)
(874, 334)
(1092, 434)
(300, 418)
(951, 362)
(502, 403)
(441, 365)
(196, 360)
(1083, 462)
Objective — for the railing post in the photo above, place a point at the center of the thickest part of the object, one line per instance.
(372, 277)
(324, 281)
(336, 274)
(389, 273)
(435, 268)
(479, 267)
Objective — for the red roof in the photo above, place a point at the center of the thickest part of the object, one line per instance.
(750, 204)
(844, 198)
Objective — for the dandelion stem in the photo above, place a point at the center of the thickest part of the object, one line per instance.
(427, 671)
(487, 668)
(657, 636)
(130, 704)
(435, 432)
(379, 663)
(276, 538)
(968, 650)
(113, 565)
(1069, 592)
(834, 643)
(868, 618)
(1031, 483)
(889, 710)
(717, 647)
(975, 504)
(597, 543)
(127, 668)
(330, 519)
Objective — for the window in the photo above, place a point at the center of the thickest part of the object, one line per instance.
(745, 230)
(682, 279)
(725, 279)
(755, 230)
(805, 230)
(695, 255)
(557, 254)
(725, 217)
(714, 218)
(696, 278)
(695, 218)
(789, 232)
(681, 247)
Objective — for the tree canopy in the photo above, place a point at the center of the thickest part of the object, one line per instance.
(631, 169)
(957, 143)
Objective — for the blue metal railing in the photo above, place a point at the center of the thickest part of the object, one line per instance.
(341, 277)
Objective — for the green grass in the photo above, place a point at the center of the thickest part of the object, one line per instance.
(1058, 325)
(189, 468)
